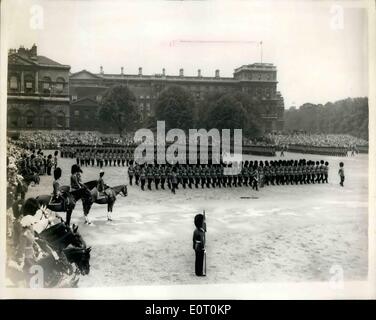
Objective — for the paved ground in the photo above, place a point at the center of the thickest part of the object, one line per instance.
(281, 233)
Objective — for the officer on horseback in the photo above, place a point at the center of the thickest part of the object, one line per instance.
(58, 195)
(75, 179)
(101, 186)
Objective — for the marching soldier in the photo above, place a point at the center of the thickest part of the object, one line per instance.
(174, 180)
(255, 176)
(326, 172)
(143, 177)
(77, 153)
(163, 175)
(341, 173)
(131, 173)
(123, 157)
(321, 171)
(137, 171)
(157, 176)
(197, 175)
(150, 175)
(184, 175)
(110, 157)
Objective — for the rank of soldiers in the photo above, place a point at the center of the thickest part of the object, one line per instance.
(100, 156)
(323, 150)
(253, 174)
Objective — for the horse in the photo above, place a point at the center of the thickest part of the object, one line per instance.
(73, 197)
(80, 257)
(109, 197)
(60, 236)
(67, 241)
(33, 177)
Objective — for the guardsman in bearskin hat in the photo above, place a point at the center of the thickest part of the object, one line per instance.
(157, 175)
(341, 173)
(130, 172)
(92, 156)
(255, 174)
(163, 174)
(197, 174)
(174, 179)
(110, 157)
(326, 171)
(118, 158)
(137, 171)
(199, 242)
(321, 172)
(123, 157)
(104, 156)
(56, 194)
(143, 177)
(317, 172)
(77, 153)
(150, 175)
(97, 156)
(75, 179)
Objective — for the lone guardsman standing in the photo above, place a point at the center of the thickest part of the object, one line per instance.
(341, 173)
(199, 240)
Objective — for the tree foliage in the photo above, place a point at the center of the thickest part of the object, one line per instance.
(175, 106)
(230, 111)
(348, 116)
(118, 108)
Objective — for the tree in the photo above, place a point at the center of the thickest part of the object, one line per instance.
(230, 111)
(118, 108)
(348, 116)
(176, 107)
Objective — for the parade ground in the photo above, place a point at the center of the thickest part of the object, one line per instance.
(279, 233)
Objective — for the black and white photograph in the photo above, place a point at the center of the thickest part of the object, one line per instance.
(198, 147)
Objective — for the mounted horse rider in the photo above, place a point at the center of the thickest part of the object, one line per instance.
(101, 186)
(59, 196)
(75, 179)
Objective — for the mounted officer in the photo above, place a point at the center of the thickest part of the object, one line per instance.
(75, 179)
(101, 186)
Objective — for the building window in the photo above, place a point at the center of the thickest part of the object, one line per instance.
(47, 120)
(59, 85)
(60, 120)
(76, 113)
(141, 97)
(30, 119)
(13, 83)
(99, 98)
(147, 97)
(13, 117)
(46, 85)
(74, 98)
(148, 107)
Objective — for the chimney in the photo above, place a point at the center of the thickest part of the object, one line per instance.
(199, 73)
(181, 72)
(33, 50)
(164, 72)
(101, 69)
(217, 73)
(122, 70)
(140, 71)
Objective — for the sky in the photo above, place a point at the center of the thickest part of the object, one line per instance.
(319, 48)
